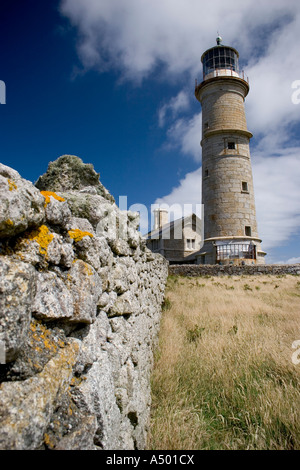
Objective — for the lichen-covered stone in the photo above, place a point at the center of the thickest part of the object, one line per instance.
(42, 247)
(26, 407)
(60, 252)
(69, 172)
(83, 225)
(107, 300)
(22, 205)
(84, 285)
(96, 394)
(82, 437)
(95, 251)
(125, 304)
(120, 280)
(120, 247)
(41, 344)
(17, 290)
(53, 300)
(56, 210)
(92, 207)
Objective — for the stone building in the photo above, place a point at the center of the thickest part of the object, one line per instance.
(178, 241)
(230, 228)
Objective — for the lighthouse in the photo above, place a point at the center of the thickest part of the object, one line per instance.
(230, 227)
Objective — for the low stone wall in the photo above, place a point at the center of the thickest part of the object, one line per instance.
(80, 308)
(216, 270)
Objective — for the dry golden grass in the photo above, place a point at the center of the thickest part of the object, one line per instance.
(224, 376)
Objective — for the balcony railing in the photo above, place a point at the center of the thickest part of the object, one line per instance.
(236, 251)
(223, 72)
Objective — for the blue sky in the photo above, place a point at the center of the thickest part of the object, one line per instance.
(112, 81)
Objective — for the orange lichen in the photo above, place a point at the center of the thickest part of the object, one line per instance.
(48, 194)
(43, 237)
(88, 269)
(11, 185)
(78, 235)
(48, 441)
(85, 268)
(41, 338)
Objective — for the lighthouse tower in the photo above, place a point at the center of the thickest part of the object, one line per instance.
(230, 228)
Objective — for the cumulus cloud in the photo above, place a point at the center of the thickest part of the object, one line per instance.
(269, 105)
(277, 194)
(177, 104)
(293, 260)
(185, 198)
(185, 135)
(133, 36)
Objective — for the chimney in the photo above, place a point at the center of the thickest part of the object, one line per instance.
(160, 218)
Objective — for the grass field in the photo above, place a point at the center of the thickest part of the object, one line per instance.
(225, 376)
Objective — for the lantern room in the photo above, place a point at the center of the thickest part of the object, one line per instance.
(220, 60)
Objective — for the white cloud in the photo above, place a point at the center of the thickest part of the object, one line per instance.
(178, 103)
(133, 36)
(289, 261)
(269, 104)
(293, 260)
(187, 193)
(185, 134)
(277, 195)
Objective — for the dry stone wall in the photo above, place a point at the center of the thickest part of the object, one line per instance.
(80, 306)
(194, 270)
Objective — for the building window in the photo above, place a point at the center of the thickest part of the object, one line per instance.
(191, 243)
(231, 145)
(245, 186)
(248, 231)
(206, 173)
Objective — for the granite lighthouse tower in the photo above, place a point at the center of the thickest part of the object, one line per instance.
(230, 228)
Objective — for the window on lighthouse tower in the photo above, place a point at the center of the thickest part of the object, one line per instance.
(245, 187)
(248, 231)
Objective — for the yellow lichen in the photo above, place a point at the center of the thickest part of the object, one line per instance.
(43, 237)
(33, 327)
(9, 222)
(48, 194)
(11, 185)
(78, 235)
(61, 344)
(48, 441)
